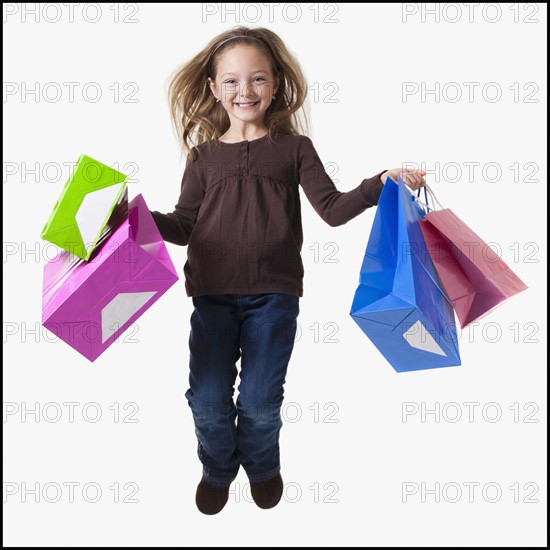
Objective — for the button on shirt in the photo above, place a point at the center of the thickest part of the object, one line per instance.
(239, 213)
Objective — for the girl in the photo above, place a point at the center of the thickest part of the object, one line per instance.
(239, 213)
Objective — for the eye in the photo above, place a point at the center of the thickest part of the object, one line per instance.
(259, 78)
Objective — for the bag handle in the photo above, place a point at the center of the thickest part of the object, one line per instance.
(426, 205)
(428, 190)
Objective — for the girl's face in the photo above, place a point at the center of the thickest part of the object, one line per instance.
(244, 84)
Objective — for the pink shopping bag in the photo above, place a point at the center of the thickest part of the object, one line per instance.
(89, 304)
(475, 278)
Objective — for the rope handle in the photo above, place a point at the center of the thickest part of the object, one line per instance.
(428, 191)
(425, 197)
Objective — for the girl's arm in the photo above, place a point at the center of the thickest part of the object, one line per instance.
(176, 226)
(335, 207)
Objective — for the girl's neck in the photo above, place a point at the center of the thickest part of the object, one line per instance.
(243, 135)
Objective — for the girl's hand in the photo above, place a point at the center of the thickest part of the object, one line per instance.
(412, 177)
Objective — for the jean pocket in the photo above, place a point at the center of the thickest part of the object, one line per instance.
(291, 304)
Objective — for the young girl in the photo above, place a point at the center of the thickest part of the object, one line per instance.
(239, 214)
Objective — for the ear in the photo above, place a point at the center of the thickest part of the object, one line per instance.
(276, 84)
(213, 85)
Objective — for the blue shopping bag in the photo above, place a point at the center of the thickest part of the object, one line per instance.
(400, 303)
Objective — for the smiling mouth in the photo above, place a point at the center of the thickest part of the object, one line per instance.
(248, 105)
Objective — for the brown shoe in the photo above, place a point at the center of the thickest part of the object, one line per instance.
(211, 499)
(267, 494)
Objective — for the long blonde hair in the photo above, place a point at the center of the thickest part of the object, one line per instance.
(196, 115)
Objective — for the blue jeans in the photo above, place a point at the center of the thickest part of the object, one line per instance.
(260, 330)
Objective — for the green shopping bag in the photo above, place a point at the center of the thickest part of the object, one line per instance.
(92, 204)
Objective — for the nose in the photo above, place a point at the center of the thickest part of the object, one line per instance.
(248, 91)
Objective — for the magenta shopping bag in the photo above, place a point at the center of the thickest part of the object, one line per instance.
(476, 279)
(89, 304)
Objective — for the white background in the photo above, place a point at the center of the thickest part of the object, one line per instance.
(345, 479)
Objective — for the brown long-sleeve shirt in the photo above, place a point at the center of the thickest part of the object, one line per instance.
(239, 213)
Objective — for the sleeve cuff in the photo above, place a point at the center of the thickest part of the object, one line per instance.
(372, 188)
